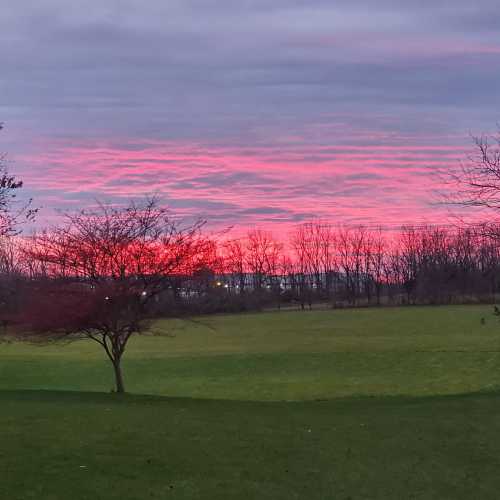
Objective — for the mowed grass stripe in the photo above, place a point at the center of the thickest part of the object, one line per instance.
(271, 376)
(283, 356)
(107, 447)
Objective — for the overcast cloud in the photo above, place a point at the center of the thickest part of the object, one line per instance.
(239, 79)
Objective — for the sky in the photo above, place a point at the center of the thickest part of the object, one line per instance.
(247, 113)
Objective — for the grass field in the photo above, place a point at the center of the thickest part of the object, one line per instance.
(390, 403)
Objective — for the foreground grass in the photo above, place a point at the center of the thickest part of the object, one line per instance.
(232, 444)
(283, 356)
(90, 446)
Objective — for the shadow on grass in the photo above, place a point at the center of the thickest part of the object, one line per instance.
(60, 396)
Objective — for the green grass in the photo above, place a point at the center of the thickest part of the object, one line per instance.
(352, 404)
(283, 356)
(84, 446)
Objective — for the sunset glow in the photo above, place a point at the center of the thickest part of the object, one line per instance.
(248, 115)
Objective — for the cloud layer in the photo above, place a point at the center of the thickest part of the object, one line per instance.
(247, 112)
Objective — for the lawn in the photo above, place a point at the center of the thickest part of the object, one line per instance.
(283, 356)
(390, 404)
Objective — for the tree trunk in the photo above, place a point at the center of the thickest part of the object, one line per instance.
(120, 387)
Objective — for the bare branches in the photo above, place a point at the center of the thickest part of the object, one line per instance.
(262, 257)
(13, 212)
(101, 273)
(476, 181)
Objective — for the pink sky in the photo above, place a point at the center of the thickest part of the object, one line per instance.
(273, 186)
(248, 113)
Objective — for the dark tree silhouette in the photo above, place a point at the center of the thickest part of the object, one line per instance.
(13, 212)
(477, 180)
(104, 273)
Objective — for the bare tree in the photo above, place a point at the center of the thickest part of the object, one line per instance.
(235, 263)
(352, 261)
(300, 242)
(104, 272)
(378, 259)
(409, 253)
(13, 212)
(476, 181)
(262, 254)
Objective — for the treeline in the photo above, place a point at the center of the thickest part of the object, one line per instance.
(319, 263)
(353, 266)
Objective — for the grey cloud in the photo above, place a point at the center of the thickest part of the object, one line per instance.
(264, 211)
(209, 69)
(232, 178)
(368, 176)
(248, 74)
